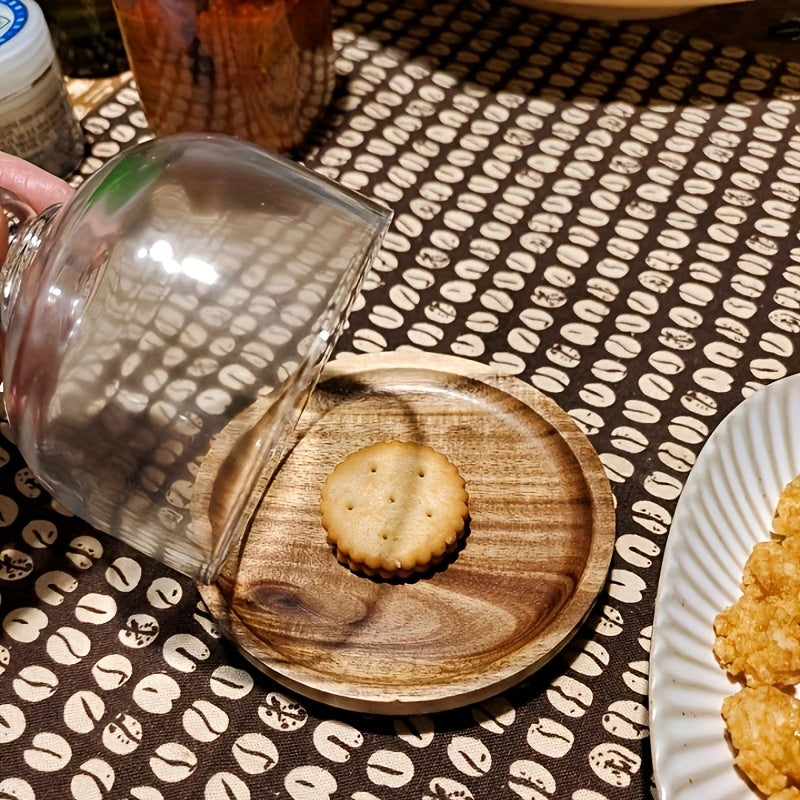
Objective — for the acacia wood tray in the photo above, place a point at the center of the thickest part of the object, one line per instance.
(541, 533)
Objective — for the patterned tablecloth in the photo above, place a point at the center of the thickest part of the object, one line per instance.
(606, 210)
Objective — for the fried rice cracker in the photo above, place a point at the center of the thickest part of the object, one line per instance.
(764, 728)
(773, 569)
(786, 521)
(758, 640)
(758, 637)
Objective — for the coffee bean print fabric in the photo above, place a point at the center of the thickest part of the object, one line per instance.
(607, 212)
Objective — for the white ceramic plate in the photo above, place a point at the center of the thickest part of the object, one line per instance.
(725, 508)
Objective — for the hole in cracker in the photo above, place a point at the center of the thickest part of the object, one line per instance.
(421, 473)
(373, 468)
(350, 506)
(391, 499)
(429, 513)
(384, 536)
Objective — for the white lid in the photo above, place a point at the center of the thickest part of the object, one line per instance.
(26, 49)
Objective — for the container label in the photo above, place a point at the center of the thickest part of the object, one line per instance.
(13, 16)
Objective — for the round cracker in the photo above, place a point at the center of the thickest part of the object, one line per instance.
(394, 508)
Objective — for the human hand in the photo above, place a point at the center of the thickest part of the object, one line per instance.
(34, 186)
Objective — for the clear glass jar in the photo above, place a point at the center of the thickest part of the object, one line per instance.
(190, 280)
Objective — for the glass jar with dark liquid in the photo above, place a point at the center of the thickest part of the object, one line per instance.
(261, 70)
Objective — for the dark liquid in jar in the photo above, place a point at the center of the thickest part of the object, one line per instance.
(261, 70)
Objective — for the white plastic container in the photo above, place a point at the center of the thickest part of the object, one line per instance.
(37, 121)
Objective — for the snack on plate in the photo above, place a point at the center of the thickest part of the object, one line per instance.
(757, 640)
(786, 521)
(773, 570)
(763, 724)
(393, 509)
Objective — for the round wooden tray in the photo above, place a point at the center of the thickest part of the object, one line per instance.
(541, 533)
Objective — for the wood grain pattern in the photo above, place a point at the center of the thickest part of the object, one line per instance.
(541, 532)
